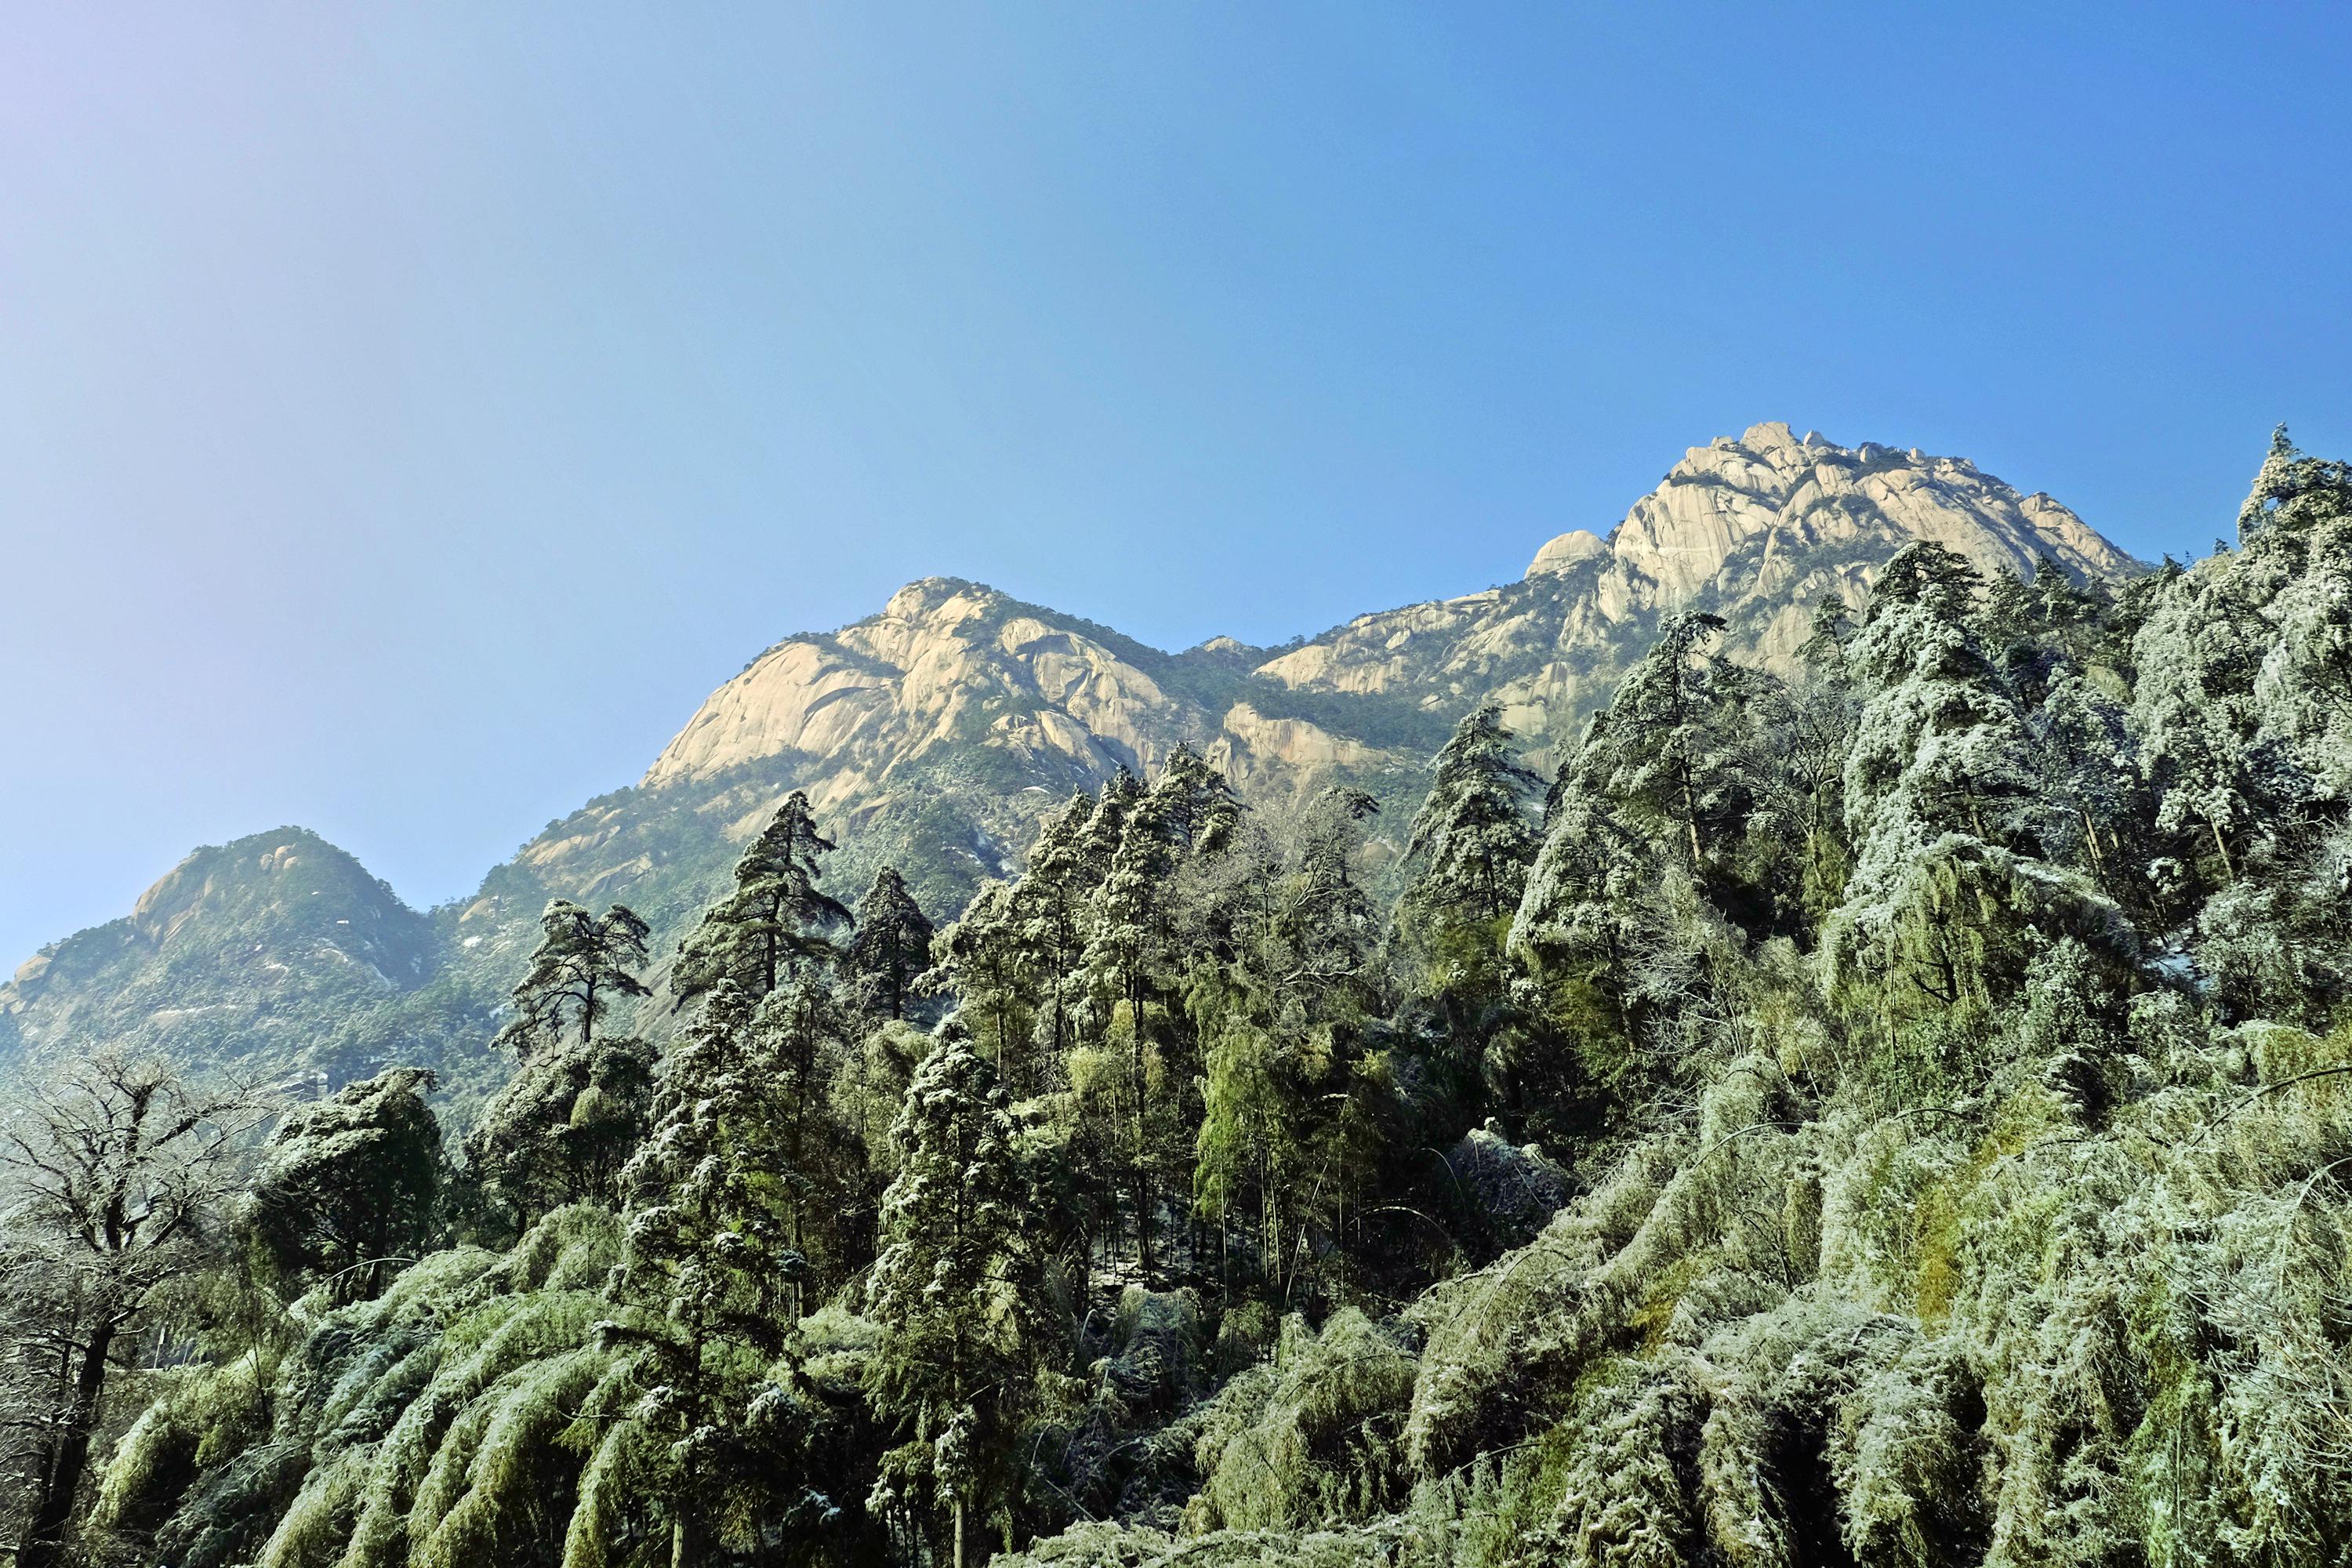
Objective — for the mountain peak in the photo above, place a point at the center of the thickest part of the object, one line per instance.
(273, 917)
(1770, 494)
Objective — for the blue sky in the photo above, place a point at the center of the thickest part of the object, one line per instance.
(407, 413)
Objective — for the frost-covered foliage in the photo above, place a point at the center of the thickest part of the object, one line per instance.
(351, 1185)
(1470, 842)
(1904, 1118)
(1311, 1435)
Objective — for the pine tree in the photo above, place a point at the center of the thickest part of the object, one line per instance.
(799, 1038)
(951, 1292)
(1194, 804)
(774, 916)
(705, 1290)
(1050, 905)
(582, 964)
(2299, 518)
(890, 948)
(2198, 655)
(1943, 805)
(1471, 843)
(1678, 746)
(982, 957)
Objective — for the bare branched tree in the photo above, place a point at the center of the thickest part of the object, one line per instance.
(116, 1174)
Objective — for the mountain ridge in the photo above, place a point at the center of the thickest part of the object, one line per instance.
(935, 733)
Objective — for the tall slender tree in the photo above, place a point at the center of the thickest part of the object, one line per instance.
(1678, 746)
(774, 915)
(1470, 842)
(890, 947)
(705, 1288)
(951, 1292)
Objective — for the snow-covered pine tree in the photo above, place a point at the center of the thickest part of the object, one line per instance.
(774, 915)
(703, 1295)
(800, 1037)
(1050, 904)
(1194, 804)
(890, 947)
(1944, 806)
(582, 965)
(2303, 544)
(1679, 746)
(1470, 842)
(980, 957)
(2198, 656)
(950, 1293)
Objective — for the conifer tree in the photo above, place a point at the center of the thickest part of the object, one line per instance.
(1943, 801)
(2200, 750)
(707, 1282)
(1471, 843)
(2300, 520)
(1119, 796)
(890, 948)
(799, 1038)
(982, 957)
(583, 964)
(1050, 903)
(1678, 746)
(1194, 804)
(774, 915)
(951, 1292)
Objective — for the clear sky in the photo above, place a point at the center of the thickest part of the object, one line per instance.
(408, 412)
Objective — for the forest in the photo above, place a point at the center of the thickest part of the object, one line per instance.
(1897, 1112)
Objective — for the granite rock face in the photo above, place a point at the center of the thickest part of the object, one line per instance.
(935, 734)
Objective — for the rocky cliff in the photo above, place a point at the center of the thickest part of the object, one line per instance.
(935, 733)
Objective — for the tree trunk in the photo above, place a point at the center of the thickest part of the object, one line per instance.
(958, 1533)
(1690, 817)
(2224, 846)
(681, 1548)
(68, 1460)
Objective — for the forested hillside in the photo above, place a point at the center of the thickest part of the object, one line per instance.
(1882, 1099)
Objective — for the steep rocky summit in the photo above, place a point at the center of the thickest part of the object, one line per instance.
(934, 734)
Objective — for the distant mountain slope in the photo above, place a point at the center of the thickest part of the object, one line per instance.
(251, 955)
(935, 733)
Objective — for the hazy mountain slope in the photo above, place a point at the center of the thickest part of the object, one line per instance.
(256, 955)
(935, 733)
